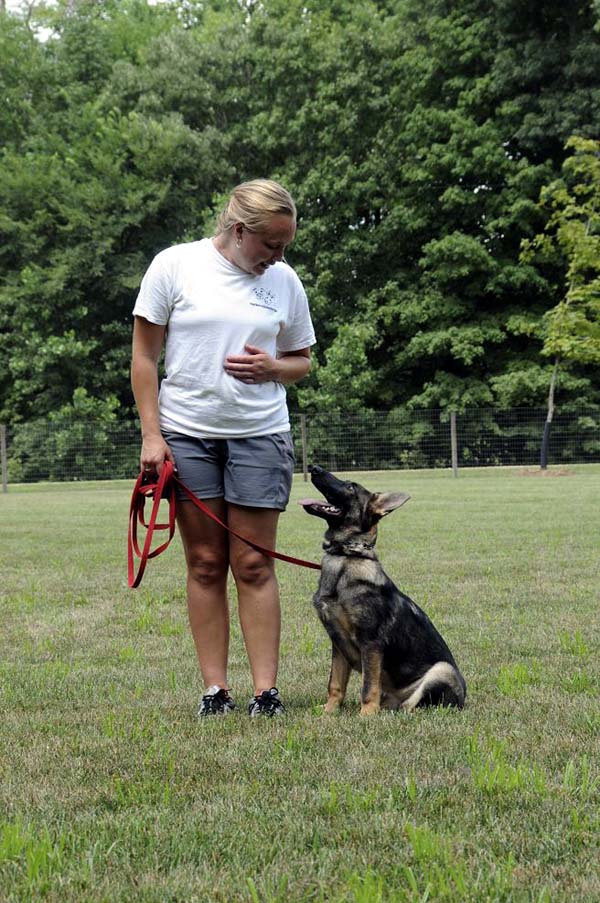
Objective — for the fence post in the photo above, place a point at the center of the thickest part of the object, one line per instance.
(304, 447)
(3, 461)
(453, 443)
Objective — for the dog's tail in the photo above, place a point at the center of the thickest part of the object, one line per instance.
(442, 684)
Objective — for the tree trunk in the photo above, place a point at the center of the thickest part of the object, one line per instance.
(549, 416)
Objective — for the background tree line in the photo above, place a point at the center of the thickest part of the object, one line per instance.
(448, 234)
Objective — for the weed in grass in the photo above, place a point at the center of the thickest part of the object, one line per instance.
(514, 679)
(75, 600)
(306, 642)
(280, 894)
(584, 827)
(13, 839)
(169, 628)
(331, 800)
(51, 673)
(315, 840)
(492, 773)
(366, 888)
(438, 873)
(581, 779)
(114, 693)
(169, 598)
(426, 845)
(145, 789)
(579, 682)
(35, 856)
(485, 642)
(591, 723)
(109, 725)
(411, 787)
(43, 856)
(573, 643)
(291, 747)
(349, 799)
(433, 882)
(128, 654)
(168, 783)
(147, 622)
(148, 734)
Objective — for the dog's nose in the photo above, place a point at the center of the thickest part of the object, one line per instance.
(314, 468)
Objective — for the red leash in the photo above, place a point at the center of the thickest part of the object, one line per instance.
(164, 488)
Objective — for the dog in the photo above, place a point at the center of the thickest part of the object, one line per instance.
(374, 628)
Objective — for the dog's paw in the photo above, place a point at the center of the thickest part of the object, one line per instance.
(332, 706)
(371, 708)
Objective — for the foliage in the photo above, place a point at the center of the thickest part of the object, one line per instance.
(416, 137)
(86, 198)
(572, 327)
(84, 439)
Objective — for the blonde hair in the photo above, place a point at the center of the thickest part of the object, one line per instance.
(254, 204)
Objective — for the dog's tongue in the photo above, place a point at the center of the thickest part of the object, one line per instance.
(319, 506)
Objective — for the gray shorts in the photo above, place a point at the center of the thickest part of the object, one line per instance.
(256, 472)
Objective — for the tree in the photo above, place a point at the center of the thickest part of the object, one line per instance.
(415, 135)
(27, 80)
(571, 329)
(87, 195)
(476, 144)
(415, 193)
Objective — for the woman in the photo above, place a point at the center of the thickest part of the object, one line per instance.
(236, 325)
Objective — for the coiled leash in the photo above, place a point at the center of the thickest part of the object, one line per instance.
(147, 488)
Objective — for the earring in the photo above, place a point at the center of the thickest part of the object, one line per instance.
(238, 242)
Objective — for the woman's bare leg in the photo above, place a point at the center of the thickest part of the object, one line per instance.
(206, 550)
(258, 591)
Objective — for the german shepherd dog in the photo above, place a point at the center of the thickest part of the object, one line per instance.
(374, 628)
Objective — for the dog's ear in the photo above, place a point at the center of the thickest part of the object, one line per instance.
(383, 503)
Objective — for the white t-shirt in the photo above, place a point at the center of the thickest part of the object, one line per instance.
(213, 309)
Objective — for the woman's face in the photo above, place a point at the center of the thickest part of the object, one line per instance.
(254, 252)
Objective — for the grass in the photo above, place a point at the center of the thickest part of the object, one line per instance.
(111, 791)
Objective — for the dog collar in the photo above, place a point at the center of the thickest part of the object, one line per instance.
(349, 549)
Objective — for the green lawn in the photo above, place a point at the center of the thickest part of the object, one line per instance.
(112, 791)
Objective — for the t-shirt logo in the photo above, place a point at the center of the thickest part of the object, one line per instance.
(264, 298)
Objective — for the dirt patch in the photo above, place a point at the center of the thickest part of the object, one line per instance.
(545, 473)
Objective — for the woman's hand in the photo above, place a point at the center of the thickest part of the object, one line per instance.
(256, 366)
(155, 452)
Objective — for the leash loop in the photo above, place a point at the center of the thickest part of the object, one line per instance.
(164, 488)
(145, 490)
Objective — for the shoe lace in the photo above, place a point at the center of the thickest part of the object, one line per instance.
(216, 701)
(268, 701)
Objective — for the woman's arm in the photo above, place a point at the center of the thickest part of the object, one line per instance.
(293, 365)
(257, 366)
(147, 344)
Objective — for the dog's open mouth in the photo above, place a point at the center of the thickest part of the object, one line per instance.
(320, 508)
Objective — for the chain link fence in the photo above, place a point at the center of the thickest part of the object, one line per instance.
(45, 450)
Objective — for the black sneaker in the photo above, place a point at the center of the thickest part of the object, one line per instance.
(216, 701)
(266, 703)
